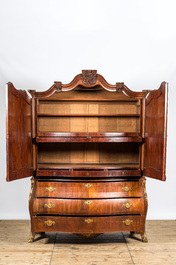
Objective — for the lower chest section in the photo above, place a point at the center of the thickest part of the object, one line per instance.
(88, 206)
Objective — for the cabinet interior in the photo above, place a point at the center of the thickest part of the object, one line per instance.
(108, 154)
(88, 111)
(93, 110)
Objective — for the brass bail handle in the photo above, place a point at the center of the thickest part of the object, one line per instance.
(88, 185)
(49, 222)
(50, 189)
(126, 188)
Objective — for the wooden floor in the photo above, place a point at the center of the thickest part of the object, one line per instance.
(68, 249)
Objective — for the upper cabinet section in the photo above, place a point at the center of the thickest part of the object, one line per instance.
(88, 105)
(86, 123)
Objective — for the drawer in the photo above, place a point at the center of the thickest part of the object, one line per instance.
(88, 224)
(102, 189)
(65, 172)
(88, 207)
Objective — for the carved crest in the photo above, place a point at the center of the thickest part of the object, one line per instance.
(119, 87)
(57, 85)
(89, 77)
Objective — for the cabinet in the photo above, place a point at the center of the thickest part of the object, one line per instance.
(88, 146)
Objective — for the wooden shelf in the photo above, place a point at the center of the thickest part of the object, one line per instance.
(88, 137)
(86, 115)
(87, 166)
(49, 99)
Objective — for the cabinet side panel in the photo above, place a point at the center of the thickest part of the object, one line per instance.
(18, 134)
(156, 133)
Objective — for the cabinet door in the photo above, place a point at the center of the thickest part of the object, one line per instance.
(18, 134)
(156, 133)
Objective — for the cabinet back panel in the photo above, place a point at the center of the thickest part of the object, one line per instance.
(60, 107)
(88, 153)
(89, 124)
(96, 102)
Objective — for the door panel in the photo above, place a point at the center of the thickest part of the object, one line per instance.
(156, 133)
(18, 134)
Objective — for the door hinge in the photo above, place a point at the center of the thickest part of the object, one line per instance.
(164, 135)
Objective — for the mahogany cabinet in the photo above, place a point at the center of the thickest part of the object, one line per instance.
(88, 146)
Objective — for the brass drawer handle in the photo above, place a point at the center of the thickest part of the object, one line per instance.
(88, 220)
(88, 185)
(127, 205)
(49, 223)
(126, 188)
(128, 222)
(88, 202)
(50, 189)
(49, 205)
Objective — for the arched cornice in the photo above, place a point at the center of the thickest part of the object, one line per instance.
(44, 94)
(88, 79)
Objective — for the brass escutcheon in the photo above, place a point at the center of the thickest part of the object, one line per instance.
(126, 188)
(88, 220)
(49, 223)
(88, 185)
(88, 202)
(49, 205)
(50, 189)
(127, 205)
(127, 222)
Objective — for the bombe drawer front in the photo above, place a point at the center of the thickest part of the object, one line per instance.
(104, 189)
(88, 224)
(88, 207)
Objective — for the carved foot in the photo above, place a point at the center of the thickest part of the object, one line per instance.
(144, 237)
(31, 238)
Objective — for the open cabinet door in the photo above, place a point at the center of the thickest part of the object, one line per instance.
(156, 133)
(18, 134)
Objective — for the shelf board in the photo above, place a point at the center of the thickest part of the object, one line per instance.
(86, 115)
(128, 99)
(89, 166)
(88, 137)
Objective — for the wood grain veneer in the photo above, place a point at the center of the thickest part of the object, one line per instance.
(90, 189)
(88, 146)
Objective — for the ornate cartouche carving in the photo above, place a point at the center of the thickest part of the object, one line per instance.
(57, 85)
(119, 87)
(89, 77)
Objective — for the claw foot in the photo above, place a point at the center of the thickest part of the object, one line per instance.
(31, 238)
(144, 237)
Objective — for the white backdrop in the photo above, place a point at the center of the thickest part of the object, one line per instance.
(130, 41)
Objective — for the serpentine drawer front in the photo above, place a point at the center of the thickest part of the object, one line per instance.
(88, 207)
(88, 224)
(88, 146)
(88, 189)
